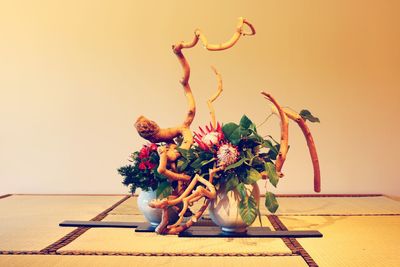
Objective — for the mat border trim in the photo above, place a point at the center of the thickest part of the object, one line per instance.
(291, 243)
(278, 195)
(144, 254)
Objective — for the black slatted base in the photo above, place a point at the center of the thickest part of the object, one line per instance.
(99, 224)
(145, 228)
(201, 229)
(252, 232)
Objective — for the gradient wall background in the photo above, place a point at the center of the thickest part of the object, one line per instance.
(74, 76)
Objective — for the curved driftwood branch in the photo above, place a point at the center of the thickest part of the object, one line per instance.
(214, 97)
(311, 146)
(284, 145)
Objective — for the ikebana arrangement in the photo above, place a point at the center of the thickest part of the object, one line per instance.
(220, 164)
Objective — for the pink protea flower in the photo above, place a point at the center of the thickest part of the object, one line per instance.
(207, 139)
(227, 154)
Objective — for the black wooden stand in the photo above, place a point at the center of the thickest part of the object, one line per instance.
(201, 229)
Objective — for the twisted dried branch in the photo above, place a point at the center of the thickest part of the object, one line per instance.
(310, 143)
(214, 97)
(284, 145)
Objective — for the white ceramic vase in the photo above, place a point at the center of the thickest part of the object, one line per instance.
(152, 215)
(224, 210)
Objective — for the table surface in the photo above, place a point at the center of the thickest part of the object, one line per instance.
(359, 230)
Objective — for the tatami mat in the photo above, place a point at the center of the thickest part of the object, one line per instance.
(104, 239)
(129, 207)
(125, 218)
(30, 222)
(377, 205)
(350, 240)
(95, 261)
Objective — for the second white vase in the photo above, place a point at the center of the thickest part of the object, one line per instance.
(224, 210)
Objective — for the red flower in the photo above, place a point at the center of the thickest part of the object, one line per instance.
(211, 137)
(153, 147)
(142, 166)
(144, 152)
(150, 165)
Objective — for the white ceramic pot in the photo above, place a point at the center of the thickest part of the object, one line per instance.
(224, 210)
(152, 215)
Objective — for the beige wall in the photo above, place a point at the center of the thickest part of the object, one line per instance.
(74, 75)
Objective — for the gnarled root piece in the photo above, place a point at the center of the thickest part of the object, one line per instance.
(214, 97)
(150, 131)
(190, 222)
(311, 146)
(187, 199)
(284, 145)
(199, 193)
(169, 153)
(199, 213)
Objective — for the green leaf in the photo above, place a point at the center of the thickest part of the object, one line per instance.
(272, 175)
(182, 164)
(242, 190)
(179, 163)
(249, 154)
(206, 155)
(231, 183)
(257, 161)
(184, 152)
(229, 128)
(196, 164)
(248, 209)
(235, 137)
(269, 145)
(252, 176)
(205, 162)
(273, 149)
(235, 165)
(253, 128)
(163, 190)
(256, 137)
(305, 114)
(270, 202)
(245, 122)
(273, 139)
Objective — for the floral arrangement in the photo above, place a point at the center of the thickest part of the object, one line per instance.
(186, 167)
